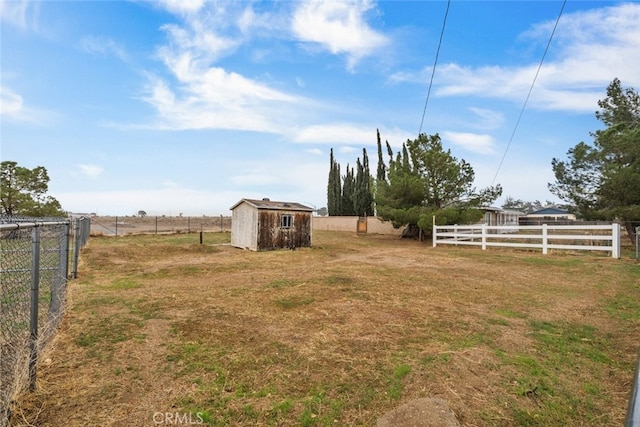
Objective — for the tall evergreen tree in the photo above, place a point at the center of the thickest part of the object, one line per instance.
(367, 189)
(334, 187)
(348, 188)
(381, 174)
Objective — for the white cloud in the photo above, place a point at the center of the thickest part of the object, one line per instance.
(12, 106)
(90, 171)
(217, 99)
(254, 179)
(10, 102)
(181, 7)
(488, 119)
(207, 96)
(477, 143)
(341, 133)
(102, 46)
(19, 13)
(589, 49)
(315, 151)
(338, 27)
(349, 134)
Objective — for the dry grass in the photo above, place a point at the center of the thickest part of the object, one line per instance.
(338, 334)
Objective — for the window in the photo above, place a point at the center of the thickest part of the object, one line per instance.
(285, 221)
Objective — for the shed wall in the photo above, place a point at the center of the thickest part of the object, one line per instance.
(272, 236)
(244, 233)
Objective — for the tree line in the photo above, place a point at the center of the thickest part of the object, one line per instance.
(419, 181)
(599, 181)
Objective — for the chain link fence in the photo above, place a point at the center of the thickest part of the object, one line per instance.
(124, 225)
(35, 255)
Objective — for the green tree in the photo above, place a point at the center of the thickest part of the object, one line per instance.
(425, 180)
(363, 197)
(381, 173)
(602, 181)
(23, 191)
(347, 206)
(334, 187)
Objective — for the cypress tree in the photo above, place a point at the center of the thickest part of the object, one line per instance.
(367, 193)
(348, 188)
(381, 175)
(334, 187)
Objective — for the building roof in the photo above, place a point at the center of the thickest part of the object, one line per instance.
(549, 211)
(273, 205)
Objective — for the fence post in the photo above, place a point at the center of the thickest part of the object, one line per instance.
(455, 233)
(615, 240)
(633, 411)
(58, 283)
(637, 243)
(76, 247)
(484, 237)
(435, 232)
(544, 239)
(33, 321)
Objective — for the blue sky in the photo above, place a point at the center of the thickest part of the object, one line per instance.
(188, 106)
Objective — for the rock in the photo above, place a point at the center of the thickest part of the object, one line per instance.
(425, 412)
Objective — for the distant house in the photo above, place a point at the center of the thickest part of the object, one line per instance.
(548, 215)
(498, 216)
(261, 225)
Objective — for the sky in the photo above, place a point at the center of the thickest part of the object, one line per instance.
(186, 107)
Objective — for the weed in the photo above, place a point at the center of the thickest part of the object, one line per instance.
(396, 385)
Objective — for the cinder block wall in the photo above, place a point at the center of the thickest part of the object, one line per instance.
(350, 223)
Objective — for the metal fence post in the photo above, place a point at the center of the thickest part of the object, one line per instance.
(633, 411)
(76, 247)
(59, 282)
(33, 321)
(67, 247)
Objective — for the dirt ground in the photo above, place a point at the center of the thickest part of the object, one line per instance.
(161, 330)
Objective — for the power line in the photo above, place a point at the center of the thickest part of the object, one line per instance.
(529, 94)
(433, 71)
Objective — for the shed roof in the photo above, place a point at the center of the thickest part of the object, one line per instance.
(273, 205)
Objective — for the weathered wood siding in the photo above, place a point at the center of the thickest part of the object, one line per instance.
(272, 236)
(244, 233)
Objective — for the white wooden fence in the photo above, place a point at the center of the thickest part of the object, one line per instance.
(545, 237)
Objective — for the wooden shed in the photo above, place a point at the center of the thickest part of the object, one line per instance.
(262, 225)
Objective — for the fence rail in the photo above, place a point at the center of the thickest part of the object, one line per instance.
(34, 269)
(544, 237)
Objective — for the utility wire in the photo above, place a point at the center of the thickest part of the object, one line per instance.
(433, 71)
(529, 94)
